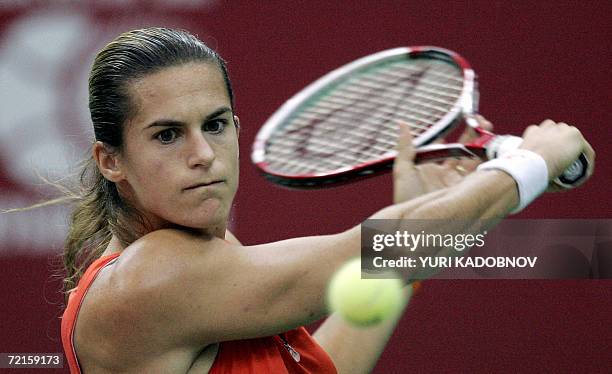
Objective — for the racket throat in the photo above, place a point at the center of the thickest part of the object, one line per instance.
(437, 152)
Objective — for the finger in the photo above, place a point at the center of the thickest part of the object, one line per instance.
(589, 152)
(405, 147)
(470, 134)
(404, 167)
(407, 183)
(547, 122)
(484, 123)
(529, 129)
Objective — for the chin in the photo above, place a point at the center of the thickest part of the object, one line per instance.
(205, 220)
(208, 215)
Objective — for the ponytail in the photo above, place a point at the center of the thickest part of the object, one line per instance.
(99, 214)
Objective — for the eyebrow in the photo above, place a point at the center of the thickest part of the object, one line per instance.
(174, 123)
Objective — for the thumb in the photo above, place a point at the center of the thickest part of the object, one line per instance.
(406, 180)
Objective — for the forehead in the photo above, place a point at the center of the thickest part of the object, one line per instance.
(179, 91)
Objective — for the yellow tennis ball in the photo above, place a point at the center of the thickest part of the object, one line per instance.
(363, 302)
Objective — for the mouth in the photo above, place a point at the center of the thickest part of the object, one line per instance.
(204, 184)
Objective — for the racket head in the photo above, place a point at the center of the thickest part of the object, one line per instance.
(345, 124)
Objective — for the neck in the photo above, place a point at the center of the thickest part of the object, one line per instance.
(114, 246)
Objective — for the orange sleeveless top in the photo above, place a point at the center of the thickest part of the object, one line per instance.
(294, 351)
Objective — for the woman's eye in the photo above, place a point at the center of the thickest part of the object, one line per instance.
(215, 126)
(166, 136)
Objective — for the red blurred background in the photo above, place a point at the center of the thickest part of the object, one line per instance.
(535, 60)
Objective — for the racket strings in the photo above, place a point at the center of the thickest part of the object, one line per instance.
(357, 120)
(350, 95)
(325, 106)
(341, 118)
(437, 86)
(429, 90)
(421, 99)
(322, 145)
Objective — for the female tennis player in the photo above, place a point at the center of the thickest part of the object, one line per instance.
(157, 284)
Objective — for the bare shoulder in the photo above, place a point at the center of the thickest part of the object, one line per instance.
(126, 310)
(171, 281)
(154, 272)
(149, 275)
(162, 250)
(177, 290)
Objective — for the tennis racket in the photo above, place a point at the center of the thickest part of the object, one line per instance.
(345, 124)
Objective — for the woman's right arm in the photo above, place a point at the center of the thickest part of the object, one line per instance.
(196, 290)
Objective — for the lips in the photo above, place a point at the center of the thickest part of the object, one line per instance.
(204, 184)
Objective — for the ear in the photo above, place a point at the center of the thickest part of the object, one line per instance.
(237, 124)
(107, 162)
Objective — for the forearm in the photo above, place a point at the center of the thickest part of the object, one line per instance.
(481, 195)
(304, 266)
(355, 349)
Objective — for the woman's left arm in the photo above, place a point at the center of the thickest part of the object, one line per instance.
(356, 349)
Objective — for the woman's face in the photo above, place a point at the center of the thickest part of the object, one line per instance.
(180, 154)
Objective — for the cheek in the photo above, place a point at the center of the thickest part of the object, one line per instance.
(151, 181)
(234, 165)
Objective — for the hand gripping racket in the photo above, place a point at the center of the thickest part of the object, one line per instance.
(345, 124)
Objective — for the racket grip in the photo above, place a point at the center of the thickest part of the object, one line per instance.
(574, 174)
(571, 177)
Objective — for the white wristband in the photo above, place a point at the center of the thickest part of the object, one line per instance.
(528, 169)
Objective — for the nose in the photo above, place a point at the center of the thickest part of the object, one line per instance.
(200, 152)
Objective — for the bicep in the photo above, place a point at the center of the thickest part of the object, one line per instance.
(214, 291)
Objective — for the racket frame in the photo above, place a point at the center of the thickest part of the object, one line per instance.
(463, 109)
(466, 103)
